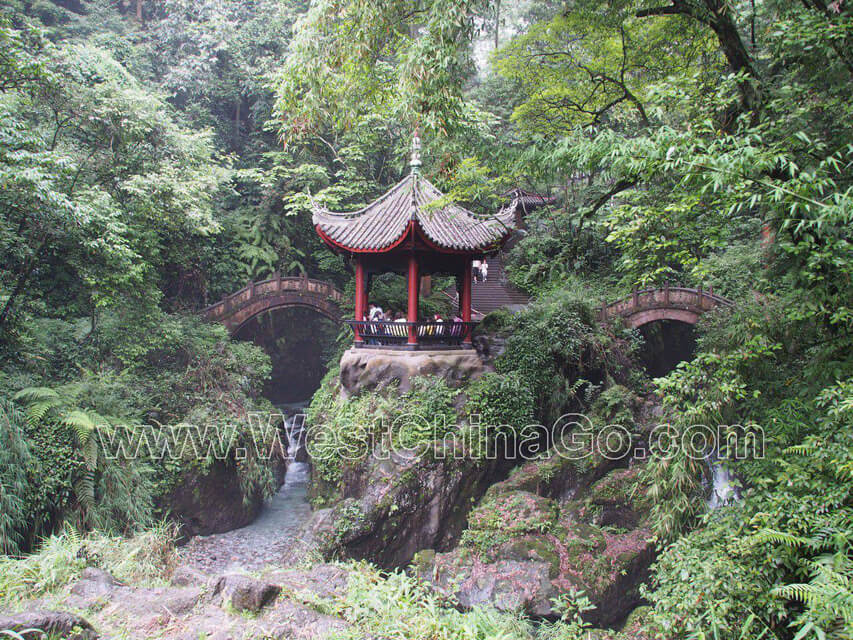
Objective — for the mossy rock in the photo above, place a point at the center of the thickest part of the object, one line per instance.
(580, 537)
(514, 512)
(423, 561)
(620, 486)
(551, 475)
(620, 499)
(535, 547)
(634, 627)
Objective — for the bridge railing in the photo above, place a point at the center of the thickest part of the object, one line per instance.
(271, 287)
(431, 333)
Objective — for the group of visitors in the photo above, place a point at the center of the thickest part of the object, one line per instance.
(376, 314)
(390, 324)
(480, 270)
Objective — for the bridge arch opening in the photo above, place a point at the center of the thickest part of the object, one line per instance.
(666, 343)
(299, 341)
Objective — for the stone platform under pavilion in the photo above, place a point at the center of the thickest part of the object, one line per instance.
(371, 369)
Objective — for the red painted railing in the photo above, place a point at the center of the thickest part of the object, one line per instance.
(437, 334)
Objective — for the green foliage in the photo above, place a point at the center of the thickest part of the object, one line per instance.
(99, 179)
(14, 459)
(690, 599)
(569, 81)
(110, 496)
(571, 606)
(149, 555)
(787, 544)
(338, 70)
(557, 349)
(500, 400)
(397, 605)
(187, 372)
(561, 246)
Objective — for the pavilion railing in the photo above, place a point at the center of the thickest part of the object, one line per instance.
(431, 333)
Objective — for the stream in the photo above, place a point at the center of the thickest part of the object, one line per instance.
(721, 485)
(270, 538)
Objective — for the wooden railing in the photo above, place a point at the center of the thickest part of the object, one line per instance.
(429, 334)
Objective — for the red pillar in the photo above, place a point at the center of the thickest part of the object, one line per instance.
(465, 296)
(359, 296)
(412, 315)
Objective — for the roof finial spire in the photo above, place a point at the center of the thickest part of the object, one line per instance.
(415, 162)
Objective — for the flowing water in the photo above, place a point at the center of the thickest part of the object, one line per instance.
(722, 488)
(271, 537)
(289, 508)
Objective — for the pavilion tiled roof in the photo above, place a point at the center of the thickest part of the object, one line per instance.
(527, 199)
(384, 223)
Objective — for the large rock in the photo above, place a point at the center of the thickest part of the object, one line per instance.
(508, 585)
(289, 620)
(328, 581)
(400, 503)
(242, 593)
(55, 623)
(523, 549)
(187, 576)
(213, 502)
(93, 584)
(370, 369)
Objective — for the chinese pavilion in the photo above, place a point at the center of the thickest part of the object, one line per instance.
(406, 231)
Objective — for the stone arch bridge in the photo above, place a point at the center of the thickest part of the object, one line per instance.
(275, 293)
(665, 303)
(641, 307)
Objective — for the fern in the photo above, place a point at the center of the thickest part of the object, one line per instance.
(40, 401)
(108, 494)
(779, 537)
(84, 424)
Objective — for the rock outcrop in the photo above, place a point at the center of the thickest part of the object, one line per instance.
(240, 593)
(371, 369)
(397, 505)
(276, 605)
(554, 527)
(211, 502)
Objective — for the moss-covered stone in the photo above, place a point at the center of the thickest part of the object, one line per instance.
(514, 512)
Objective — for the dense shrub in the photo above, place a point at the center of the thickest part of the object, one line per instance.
(787, 544)
(500, 404)
(130, 391)
(14, 460)
(149, 555)
(559, 350)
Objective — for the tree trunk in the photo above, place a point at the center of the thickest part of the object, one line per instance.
(733, 48)
(19, 286)
(139, 11)
(718, 17)
(497, 23)
(237, 120)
